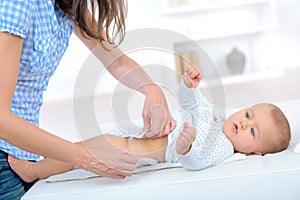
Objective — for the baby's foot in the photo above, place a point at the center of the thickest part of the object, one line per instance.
(22, 168)
(185, 139)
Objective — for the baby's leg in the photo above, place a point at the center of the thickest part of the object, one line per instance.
(31, 171)
(142, 147)
(154, 148)
(145, 148)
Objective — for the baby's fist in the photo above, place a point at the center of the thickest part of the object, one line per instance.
(192, 76)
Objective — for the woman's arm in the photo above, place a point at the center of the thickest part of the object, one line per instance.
(157, 122)
(26, 136)
(13, 129)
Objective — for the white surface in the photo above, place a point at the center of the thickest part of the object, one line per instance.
(273, 176)
(143, 165)
(267, 177)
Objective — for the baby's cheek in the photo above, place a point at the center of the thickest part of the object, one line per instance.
(242, 145)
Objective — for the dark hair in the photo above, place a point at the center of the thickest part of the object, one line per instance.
(283, 128)
(111, 14)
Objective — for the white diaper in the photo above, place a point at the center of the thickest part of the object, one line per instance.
(144, 162)
(128, 131)
(180, 116)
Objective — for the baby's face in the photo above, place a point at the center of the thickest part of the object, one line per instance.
(250, 130)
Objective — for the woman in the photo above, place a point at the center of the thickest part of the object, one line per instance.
(33, 38)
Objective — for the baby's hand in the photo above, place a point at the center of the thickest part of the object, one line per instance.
(192, 76)
(185, 139)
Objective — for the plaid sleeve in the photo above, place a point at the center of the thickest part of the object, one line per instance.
(15, 17)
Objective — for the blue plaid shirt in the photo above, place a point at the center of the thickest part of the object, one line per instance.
(46, 37)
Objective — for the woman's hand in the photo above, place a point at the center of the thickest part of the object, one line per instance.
(157, 118)
(101, 156)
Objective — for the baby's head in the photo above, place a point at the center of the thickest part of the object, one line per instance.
(259, 129)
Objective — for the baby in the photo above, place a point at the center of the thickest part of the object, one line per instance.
(202, 137)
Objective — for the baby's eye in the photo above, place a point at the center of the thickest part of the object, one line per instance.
(247, 115)
(252, 132)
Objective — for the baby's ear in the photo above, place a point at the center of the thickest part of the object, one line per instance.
(255, 153)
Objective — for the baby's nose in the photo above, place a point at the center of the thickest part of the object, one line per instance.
(243, 124)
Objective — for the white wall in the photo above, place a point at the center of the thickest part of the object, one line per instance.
(281, 47)
(278, 48)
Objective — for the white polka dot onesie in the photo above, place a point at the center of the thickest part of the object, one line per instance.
(211, 145)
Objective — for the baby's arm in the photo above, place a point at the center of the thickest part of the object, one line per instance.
(185, 139)
(192, 76)
(190, 97)
(207, 152)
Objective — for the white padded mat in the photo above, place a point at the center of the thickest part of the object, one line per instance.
(269, 177)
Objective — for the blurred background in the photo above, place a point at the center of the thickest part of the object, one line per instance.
(248, 40)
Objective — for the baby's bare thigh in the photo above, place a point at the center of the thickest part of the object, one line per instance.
(119, 142)
(144, 147)
(105, 141)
